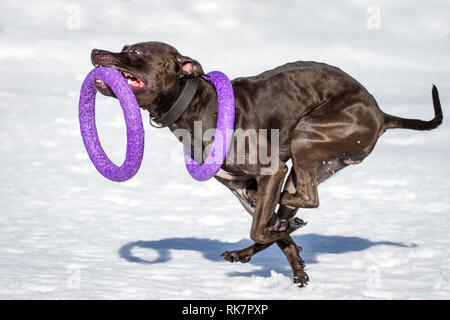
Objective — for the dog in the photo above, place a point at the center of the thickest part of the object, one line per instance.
(325, 120)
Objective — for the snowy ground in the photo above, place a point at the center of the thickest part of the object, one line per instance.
(382, 230)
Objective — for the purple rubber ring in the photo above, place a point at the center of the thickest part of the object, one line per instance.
(223, 134)
(133, 119)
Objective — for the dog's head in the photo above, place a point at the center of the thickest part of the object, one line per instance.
(153, 70)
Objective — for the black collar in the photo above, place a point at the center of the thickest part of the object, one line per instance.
(179, 106)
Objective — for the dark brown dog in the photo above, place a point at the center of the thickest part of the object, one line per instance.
(326, 121)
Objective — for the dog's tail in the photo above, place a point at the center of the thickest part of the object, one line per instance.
(391, 122)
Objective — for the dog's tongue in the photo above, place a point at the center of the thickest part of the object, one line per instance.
(135, 84)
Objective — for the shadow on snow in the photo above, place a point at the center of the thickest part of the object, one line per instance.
(269, 259)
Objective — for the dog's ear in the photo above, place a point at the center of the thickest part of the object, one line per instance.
(189, 67)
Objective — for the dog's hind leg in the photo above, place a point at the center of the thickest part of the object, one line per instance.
(291, 251)
(287, 245)
(244, 255)
(285, 216)
(325, 142)
(267, 198)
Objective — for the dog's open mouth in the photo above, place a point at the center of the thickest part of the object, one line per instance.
(136, 82)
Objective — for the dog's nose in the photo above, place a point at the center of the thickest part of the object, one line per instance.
(98, 53)
(95, 53)
(103, 57)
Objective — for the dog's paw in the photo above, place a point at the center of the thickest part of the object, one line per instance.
(291, 225)
(233, 256)
(301, 278)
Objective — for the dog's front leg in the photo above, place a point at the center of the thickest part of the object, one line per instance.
(267, 197)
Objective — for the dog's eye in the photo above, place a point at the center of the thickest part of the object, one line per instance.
(137, 51)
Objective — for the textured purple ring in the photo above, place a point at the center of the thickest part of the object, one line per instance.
(224, 130)
(133, 119)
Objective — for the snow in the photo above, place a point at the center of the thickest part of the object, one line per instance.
(382, 228)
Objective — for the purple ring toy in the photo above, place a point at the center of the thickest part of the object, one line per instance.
(133, 120)
(223, 134)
